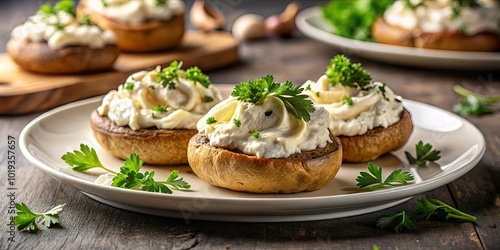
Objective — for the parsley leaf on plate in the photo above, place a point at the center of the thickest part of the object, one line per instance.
(374, 180)
(424, 152)
(129, 176)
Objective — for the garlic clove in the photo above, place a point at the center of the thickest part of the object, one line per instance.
(283, 25)
(249, 27)
(205, 17)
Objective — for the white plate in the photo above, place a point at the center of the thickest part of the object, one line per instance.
(45, 139)
(311, 23)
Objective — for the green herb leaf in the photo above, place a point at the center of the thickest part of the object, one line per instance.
(129, 85)
(129, 176)
(66, 6)
(194, 74)
(424, 154)
(26, 219)
(426, 207)
(255, 134)
(211, 120)
(84, 159)
(208, 99)
(255, 91)
(236, 122)
(342, 71)
(473, 103)
(347, 100)
(398, 221)
(168, 74)
(374, 178)
(159, 108)
(354, 19)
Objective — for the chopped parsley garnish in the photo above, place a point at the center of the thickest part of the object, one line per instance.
(256, 91)
(129, 85)
(317, 94)
(86, 20)
(63, 5)
(160, 2)
(129, 175)
(381, 89)
(424, 154)
(342, 71)
(208, 98)
(159, 108)
(211, 120)
(168, 74)
(255, 134)
(194, 74)
(347, 100)
(375, 181)
(25, 219)
(236, 122)
(104, 3)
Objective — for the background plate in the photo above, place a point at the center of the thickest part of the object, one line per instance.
(45, 139)
(312, 24)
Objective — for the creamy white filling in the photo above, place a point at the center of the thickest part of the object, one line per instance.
(137, 11)
(279, 133)
(438, 15)
(133, 103)
(378, 106)
(61, 30)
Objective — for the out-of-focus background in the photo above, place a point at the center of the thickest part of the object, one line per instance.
(18, 10)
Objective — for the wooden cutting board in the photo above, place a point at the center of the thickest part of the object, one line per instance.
(23, 92)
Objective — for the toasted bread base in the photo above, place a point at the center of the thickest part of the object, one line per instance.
(378, 141)
(144, 37)
(383, 32)
(39, 57)
(306, 171)
(152, 145)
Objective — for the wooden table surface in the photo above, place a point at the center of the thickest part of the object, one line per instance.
(88, 224)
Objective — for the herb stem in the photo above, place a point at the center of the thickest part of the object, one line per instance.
(465, 92)
(454, 213)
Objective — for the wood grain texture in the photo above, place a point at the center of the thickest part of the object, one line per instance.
(24, 92)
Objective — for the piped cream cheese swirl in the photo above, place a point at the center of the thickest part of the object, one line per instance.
(142, 102)
(441, 15)
(62, 29)
(371, 108)
(279, 134)
(137, 11)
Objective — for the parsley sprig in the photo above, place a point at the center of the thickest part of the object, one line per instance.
(63, 5)
(425, 153)
(396, 220)
(473, 103)
(169, 75)
(256, 91)
(129, 176)
(374, 180)
(25, 219)
(423, 210)
(194, 74)
(342, 71)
